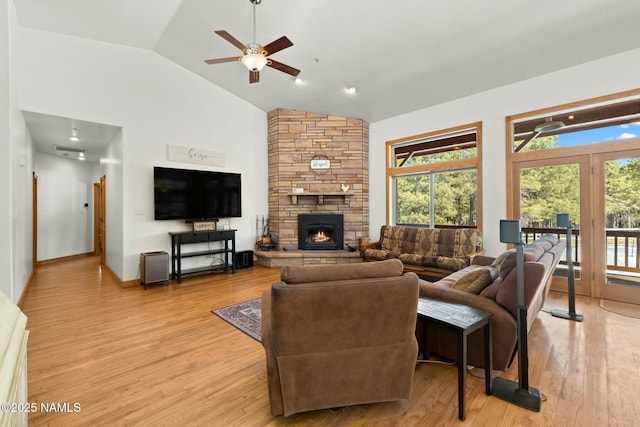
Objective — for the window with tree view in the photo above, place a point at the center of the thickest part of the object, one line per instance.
(434, 178)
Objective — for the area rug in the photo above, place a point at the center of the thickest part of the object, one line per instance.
(622, 308)
(245, 316)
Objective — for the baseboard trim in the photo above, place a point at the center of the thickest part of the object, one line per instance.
(122, 284)
(23, 294)
(64, 258)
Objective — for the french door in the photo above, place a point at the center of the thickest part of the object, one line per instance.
(543, 188)
(616, 220)
(601, 191)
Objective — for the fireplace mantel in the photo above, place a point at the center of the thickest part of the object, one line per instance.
(319, 196)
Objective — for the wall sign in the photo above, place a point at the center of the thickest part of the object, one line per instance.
(320, 162)
(178, 153)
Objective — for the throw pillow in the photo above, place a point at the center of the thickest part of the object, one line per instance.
(413, 259)
(451, 263)
(377, 254)
(476, 280)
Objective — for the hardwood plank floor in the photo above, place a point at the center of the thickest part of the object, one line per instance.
(160, 357)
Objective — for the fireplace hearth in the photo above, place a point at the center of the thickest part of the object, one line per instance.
(320, 231)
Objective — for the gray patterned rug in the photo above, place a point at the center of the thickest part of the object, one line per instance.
(244, 316)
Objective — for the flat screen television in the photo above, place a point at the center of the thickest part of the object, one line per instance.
(195, 195)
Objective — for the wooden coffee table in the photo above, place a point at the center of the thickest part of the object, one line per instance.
(463, 320)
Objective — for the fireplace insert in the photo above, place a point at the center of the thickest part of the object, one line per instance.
(320, 231)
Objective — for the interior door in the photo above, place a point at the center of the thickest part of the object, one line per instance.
(102, 220)
(34, 225)
(545, 187)
(616, 225)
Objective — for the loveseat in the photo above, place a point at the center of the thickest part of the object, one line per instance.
(431, 253)
(339, 335)
(490, 284)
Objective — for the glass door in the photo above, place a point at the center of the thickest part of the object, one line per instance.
(617, 225)
(542, 189)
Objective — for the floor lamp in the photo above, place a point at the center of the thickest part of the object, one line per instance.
(518, 393)
(562, 220)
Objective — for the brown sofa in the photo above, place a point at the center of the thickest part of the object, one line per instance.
(490, 284)
(431, 253)
(339, 335)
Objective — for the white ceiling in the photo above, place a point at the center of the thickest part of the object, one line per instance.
(49, 132)
(400, 55)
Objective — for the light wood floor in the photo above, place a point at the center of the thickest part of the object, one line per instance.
(160, 357)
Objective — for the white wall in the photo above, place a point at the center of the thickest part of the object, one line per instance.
(65, 226)
(111, 167)
(5, 136)
(605, 76)
(156, 103)
(15, 165)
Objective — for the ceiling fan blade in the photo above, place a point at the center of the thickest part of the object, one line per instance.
(254, 76)
(228, 37)
(283, 67)
(277, 45)
(221, 60)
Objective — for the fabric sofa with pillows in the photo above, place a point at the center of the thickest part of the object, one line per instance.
(432, 253)
(490, 284)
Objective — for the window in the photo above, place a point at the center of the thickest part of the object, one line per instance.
(433, 178)
(578, 126)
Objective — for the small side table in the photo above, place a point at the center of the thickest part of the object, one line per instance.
(463, 320)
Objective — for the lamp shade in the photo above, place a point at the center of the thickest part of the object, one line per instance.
(254, 61)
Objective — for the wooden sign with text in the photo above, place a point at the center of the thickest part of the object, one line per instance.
(177, 153)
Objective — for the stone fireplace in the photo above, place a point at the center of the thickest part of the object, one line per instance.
(320, 231)
(318, 164)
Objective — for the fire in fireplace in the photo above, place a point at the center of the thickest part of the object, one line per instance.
(320, 231)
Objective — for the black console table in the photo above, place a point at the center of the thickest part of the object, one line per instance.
(178, 239)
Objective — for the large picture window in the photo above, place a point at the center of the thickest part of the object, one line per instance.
(433, 178)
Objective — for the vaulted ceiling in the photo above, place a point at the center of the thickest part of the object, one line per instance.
(399, 55)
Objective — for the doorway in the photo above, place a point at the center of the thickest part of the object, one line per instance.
(542, 189)
(583, 159)
(600, 193)
(99, 219)
(616, 226)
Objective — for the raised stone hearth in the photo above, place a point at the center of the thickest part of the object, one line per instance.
(277, 259)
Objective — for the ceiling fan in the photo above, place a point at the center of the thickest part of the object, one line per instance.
(255, 56)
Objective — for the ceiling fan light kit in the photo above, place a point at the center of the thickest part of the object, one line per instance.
(254, 61)
(256, 57)
(549, 125)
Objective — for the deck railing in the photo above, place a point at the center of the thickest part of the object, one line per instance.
(622, 245)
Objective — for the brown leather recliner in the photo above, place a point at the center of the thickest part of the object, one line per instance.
(339, 335)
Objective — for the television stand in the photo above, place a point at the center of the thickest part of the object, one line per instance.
(179, 239)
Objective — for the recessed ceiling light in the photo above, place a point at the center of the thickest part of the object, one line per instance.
(351, 90)
(74, 135)
(299, 81)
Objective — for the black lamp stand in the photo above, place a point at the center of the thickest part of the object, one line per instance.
(519, 393)
(562, 220)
